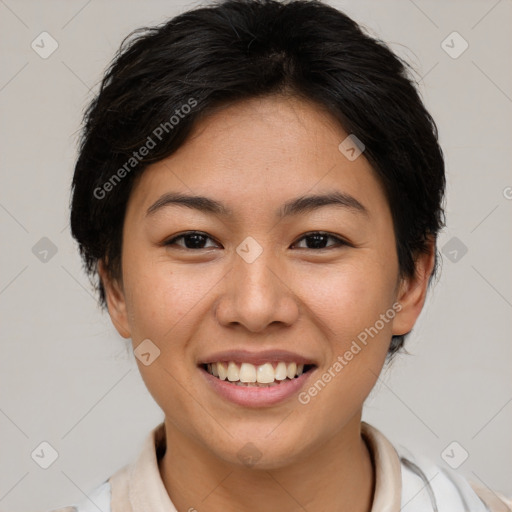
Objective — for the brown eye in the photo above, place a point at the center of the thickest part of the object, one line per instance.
(192, 240)
(318, 240)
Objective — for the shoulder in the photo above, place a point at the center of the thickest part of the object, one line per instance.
(98, 499)
(117, 491)
(427, 486)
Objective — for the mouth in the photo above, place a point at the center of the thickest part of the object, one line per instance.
(241, 383)
(265, 375)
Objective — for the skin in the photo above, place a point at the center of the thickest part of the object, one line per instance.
(254, 156)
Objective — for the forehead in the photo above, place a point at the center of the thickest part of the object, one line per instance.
(262, 151)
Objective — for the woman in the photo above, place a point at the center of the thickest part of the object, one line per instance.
(258, 193)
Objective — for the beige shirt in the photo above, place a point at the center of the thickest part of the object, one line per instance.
(403, 483)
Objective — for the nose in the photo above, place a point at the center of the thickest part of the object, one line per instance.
(257, 295)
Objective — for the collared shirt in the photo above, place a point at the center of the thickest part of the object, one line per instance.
(403, 483)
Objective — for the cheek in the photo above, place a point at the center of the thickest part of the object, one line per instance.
(348, 299)
(166, 304)
(348, 303)
(164, 299)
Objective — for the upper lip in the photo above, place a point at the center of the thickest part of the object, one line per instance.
(256, 358)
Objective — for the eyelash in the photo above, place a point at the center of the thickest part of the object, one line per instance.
(340, 241)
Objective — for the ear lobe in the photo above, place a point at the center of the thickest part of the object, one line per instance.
(412, 292)
(116, 302)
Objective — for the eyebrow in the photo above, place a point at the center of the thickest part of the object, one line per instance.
(297, 206)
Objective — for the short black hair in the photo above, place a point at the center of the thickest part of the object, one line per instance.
(164, 79)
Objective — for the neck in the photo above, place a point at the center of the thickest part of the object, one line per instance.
(337, 476)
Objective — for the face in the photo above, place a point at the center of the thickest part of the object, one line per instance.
(260, 275)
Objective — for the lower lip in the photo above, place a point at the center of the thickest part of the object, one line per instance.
(253, 396)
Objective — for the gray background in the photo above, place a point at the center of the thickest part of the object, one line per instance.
(67, 377)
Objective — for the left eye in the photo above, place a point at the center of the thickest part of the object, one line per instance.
(319, 238)
(197, 240)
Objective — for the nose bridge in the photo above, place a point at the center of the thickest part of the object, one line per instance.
(255, 277)
(256, 296)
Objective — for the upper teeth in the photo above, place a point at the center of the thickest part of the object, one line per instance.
(247, 372)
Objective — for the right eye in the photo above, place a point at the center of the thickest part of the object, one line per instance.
(193, 240)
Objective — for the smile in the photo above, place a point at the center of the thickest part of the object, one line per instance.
(240, 383)
(263, 375)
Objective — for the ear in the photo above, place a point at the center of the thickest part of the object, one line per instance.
(413, 290)
(116, 302)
